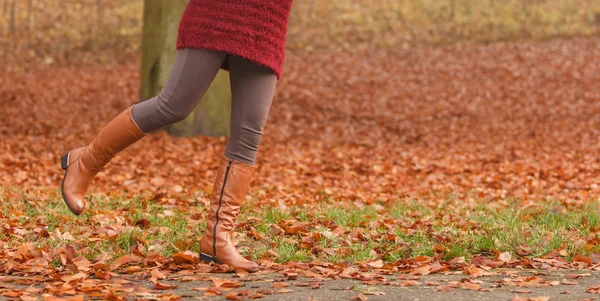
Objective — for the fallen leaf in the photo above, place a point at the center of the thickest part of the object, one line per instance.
(157, 274)
(505, 257)
(279, 284)
(184, 258)
(472, 286)
(408, 283)
(143, 223)
(376, 264)
(359, 297)
(163, 286)
(568, 282)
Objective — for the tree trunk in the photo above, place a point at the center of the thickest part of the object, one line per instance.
(29, 23)
(13, 22)
(161, 19)
(99, 20)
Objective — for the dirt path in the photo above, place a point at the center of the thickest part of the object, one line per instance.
(556, 285)
(493, 288)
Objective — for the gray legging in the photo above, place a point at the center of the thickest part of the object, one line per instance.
(252, 89)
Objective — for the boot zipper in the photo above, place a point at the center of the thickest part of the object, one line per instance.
(219, 209)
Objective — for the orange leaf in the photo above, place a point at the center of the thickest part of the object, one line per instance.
(472, 286)
(143, 223)
(279, 284)
(180, 258)
(233, 296)
(162, 286)
(359, 297)
(156, 274)
(376, 264)
(298, 227)
(408, 283)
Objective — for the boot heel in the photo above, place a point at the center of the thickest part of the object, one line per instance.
(208, 258)
(64, 161)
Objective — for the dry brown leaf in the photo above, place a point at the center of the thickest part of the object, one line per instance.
(568, 282)
(575, 276)
(298, 227)
(163, 286)
(376, 264)
(472, 286)
(359, 297)
(241, 273)
(408, 283)
(422, 271)
(212, 291)
(234, 296)
(157, 274)
(505, 257)
(522, 291)
(143, 223)
(544, 298)
(279, 284)
(523, 250)
(224, 283)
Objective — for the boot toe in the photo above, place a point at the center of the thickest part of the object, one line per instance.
(76, 205)
(248, 265)
(253, 269)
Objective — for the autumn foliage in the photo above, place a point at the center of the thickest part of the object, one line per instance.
(375, 163)
(451, 127)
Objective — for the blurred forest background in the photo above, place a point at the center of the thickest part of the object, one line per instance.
(55, 31)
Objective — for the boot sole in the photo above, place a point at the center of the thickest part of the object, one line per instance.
(64, 164)
(208, 259)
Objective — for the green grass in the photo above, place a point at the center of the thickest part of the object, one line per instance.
(350, 217)
(389, 23)
(289, 251)
(274, 216)
(399, 230)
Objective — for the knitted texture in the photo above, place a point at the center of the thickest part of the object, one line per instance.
(253, 29)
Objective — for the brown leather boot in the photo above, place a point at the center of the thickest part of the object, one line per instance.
(82, 164)
(231, 186)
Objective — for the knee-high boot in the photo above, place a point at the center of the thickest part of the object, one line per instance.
(83, 163)
(231, 186)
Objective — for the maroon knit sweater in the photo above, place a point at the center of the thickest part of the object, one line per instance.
(253, 29)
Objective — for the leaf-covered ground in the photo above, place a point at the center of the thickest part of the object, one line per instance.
(372, 163)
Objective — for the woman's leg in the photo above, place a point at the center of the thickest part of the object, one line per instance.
(190, 77)
(192, 74)
(252, 88)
